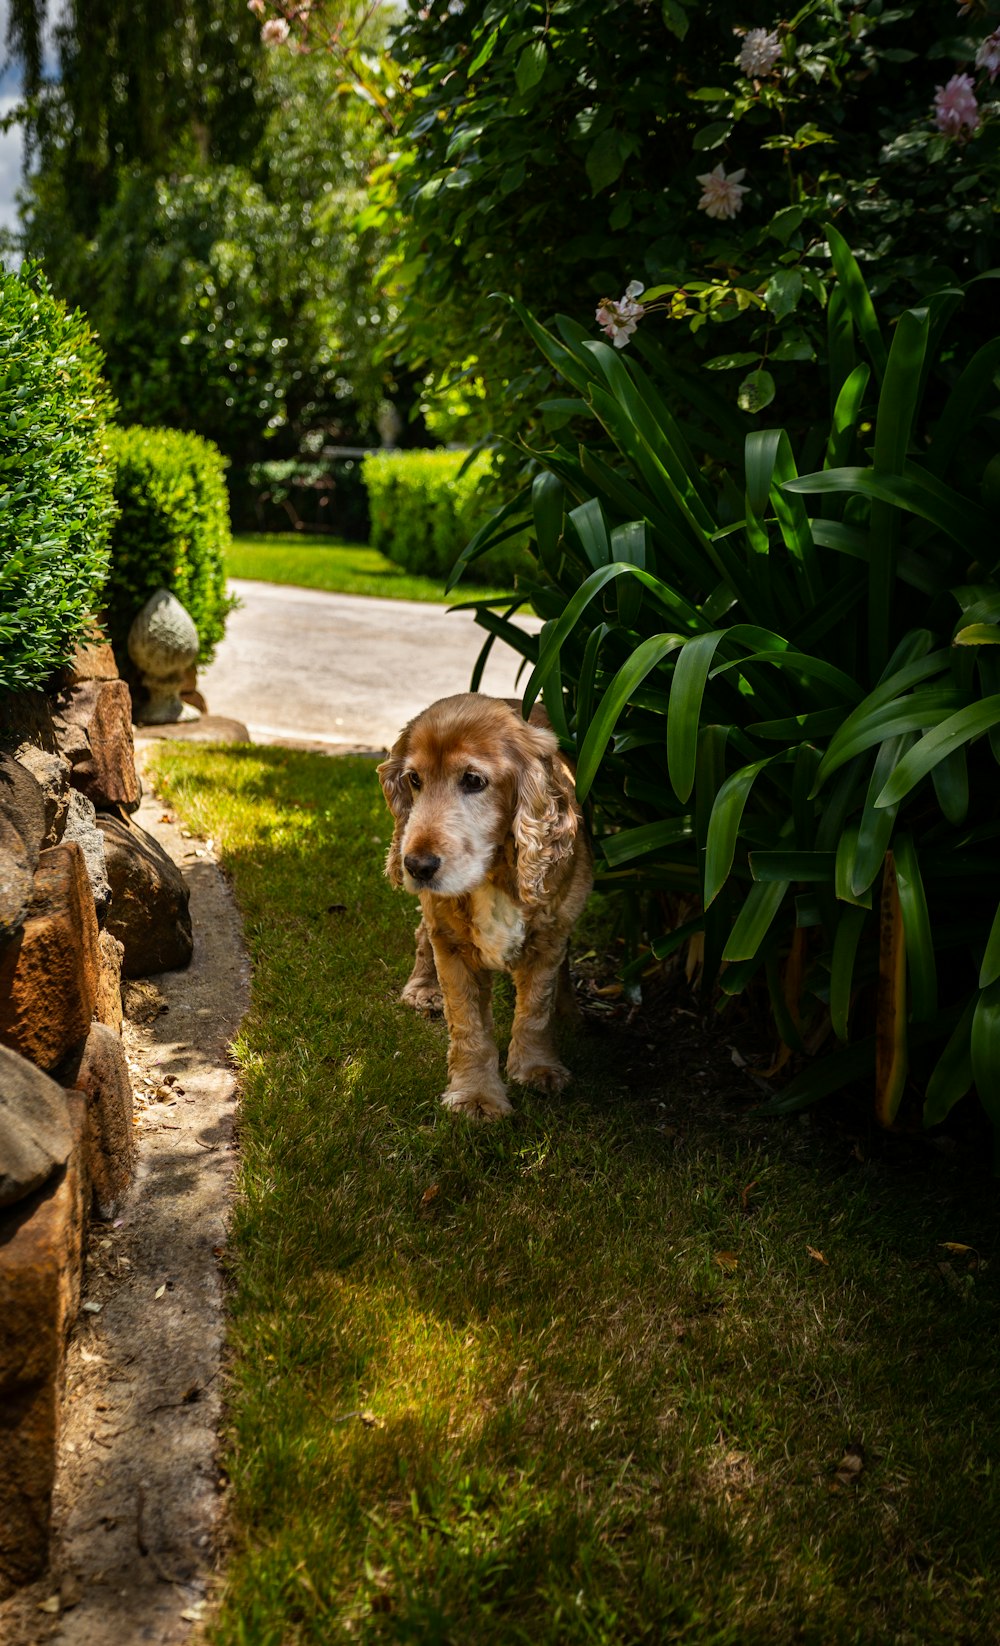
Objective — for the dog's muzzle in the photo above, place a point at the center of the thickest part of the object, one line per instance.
(420, 867)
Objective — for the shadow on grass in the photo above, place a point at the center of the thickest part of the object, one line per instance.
(587, 1375)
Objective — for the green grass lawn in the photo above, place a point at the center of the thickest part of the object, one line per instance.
(341, 568)
(585, 1376)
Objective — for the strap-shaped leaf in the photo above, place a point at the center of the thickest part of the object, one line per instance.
(985, 1048)
(951, 1076)
(587, 520)
(846, 412)
(687, 689)
(792, 865)
(912, 713)
(725, 819)
(920, 961)
(989, 971)
(846, 868)
(643, 661)
(915, 491)
(894, 421)
(754, 920)
(891, 1049)
(649, 837)
(845, 948)
(547, 504)
(876, 824)
(953, 733)
(851, 282)
(951, 785)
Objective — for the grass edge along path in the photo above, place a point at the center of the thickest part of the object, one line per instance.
(338, 567)
(581, 1377)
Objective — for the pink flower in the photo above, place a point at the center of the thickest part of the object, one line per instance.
(759, 53)
(988, 55)
(275, 32)
(722, 196)
(620, 319)
(955, 106)
(257, 7)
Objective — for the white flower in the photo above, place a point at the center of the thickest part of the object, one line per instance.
(759, 53)
(620, 319)
(275, 32)
(988, 55)
(257, 7)
(722, 196)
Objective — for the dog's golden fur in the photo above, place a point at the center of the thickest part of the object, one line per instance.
(489, 835)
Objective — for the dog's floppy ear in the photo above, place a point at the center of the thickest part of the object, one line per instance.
(399, 799)
(545, 819)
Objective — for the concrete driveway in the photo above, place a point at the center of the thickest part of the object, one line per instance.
(301, 666)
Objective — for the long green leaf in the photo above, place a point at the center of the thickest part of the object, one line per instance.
(791, 865)
(754, 920)
(915, 491)
(687, 689)
(724, 823)
(985, 1047)
(851, 282)
(876, 825)
(631, 843)
(920, 963)
(938, 744)
(951, 785)
(846, 413)
(951, 1076)
(989, 971)
(912, 713)
(845, 947)
(894, 422)
(642, 662)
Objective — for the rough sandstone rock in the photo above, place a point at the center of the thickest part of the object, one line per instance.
(149, 901)
(51, 772)
(108, 1005)
(26, 717)
(35, 1131)
(93, 722)
(81, 826)
(92, 659)
(15, 880)
(100, 1072)
(23, 805)
(41, 1245)
(48, 973)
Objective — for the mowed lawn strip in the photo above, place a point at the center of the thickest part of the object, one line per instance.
(585, 1376)
(340, 568)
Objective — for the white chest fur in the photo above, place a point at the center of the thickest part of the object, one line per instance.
(498, 927)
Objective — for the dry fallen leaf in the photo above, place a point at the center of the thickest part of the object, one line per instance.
(817, 1255)
(728, 1262)
(850, 1467)
(160, 1291)
(430, 1194)
(370, 1420)
(51, 1605)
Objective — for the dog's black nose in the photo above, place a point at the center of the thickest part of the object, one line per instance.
(420, 867)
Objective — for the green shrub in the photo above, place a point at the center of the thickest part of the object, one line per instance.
(783, 690)
(56, 500)
(425, 506)
(172, 533)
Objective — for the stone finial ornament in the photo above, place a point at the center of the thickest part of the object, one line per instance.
(163, 644)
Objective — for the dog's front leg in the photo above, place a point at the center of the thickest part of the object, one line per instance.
(474, 1084)
(531, 1058)
(422, 990)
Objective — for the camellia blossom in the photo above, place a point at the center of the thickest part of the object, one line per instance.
(955, 106)
(988, 55)
(620, 319)
(722, 196)
(759, 53)
(275, 32)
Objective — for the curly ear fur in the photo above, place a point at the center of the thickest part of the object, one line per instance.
(399, 799)
(545, 821)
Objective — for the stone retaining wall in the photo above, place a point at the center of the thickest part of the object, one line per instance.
(85, 898)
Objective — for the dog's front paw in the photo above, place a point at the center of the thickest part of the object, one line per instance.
(423, 997)
(544, 1074)
(478, 1105)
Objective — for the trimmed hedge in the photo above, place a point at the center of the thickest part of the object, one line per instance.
(423, 513)
(172, 533)
(56, 498)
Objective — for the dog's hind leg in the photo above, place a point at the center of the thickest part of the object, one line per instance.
(422, 990)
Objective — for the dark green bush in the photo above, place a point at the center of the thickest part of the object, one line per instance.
(172, 533)
(425, 506)
(783, 688)
(56, 500)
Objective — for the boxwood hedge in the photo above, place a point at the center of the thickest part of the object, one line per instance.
(425, 506)
(172, 531)
(56, 480)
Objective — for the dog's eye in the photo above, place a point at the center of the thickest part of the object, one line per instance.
(472, 783)
(413, 780)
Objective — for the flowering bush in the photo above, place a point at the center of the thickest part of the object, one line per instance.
(562, 152)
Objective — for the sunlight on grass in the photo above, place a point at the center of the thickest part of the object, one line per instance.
(340, 568)
(580, 1377)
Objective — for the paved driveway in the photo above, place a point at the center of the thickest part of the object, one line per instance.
(300, 665)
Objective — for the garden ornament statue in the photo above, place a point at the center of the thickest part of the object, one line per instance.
(163, 644)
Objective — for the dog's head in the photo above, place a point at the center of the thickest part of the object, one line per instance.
(472, 786)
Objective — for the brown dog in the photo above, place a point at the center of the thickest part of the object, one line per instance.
(489, 835)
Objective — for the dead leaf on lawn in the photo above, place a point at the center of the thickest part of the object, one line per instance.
(728, 1262)
(159, 1291)
(817, 1255)
(958, 1249)
(430, 1194)
(371, 1421)
(850, 1468)
(53, 1604)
